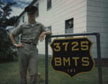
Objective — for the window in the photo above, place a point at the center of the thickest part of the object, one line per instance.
(37, 5)
(49, 28)
(23, 19)
(49, 4)
(69, 26)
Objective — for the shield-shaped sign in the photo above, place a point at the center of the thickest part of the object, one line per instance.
(72, 55)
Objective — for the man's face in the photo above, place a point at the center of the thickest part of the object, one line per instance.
(32, 15)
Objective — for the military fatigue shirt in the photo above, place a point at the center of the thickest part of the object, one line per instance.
(29, 33)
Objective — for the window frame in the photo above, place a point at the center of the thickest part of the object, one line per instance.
(49, 28)
(37, 5)
(49, 4)
(67, 22)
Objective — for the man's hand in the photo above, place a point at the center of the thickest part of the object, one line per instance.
(41, 37)
(19, 45)
(14, 41)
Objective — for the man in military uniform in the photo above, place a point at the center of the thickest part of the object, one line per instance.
(27, 50)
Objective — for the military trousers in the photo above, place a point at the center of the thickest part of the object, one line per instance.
(28, 61)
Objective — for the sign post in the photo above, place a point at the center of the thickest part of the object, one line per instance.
(74, 54)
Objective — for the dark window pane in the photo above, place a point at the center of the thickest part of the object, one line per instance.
(69, 26)
(49, 28)
(37, 5)
(49, 4)
(23, 18)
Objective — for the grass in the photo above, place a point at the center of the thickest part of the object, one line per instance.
(9, 74)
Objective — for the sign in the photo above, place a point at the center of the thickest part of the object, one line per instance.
(72, 55)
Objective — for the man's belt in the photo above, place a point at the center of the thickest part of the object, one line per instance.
(29, 43)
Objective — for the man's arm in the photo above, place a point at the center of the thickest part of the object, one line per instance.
(12, 37)
(47, 32)
(43, 34)
(14, 33)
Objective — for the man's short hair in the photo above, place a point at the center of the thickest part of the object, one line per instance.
(31, 9)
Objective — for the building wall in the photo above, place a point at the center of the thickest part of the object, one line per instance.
(62, 10)
(88, 15)
(97, 21)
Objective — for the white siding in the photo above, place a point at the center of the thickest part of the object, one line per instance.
(88, 15)
(97, 21)
(62, 10)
